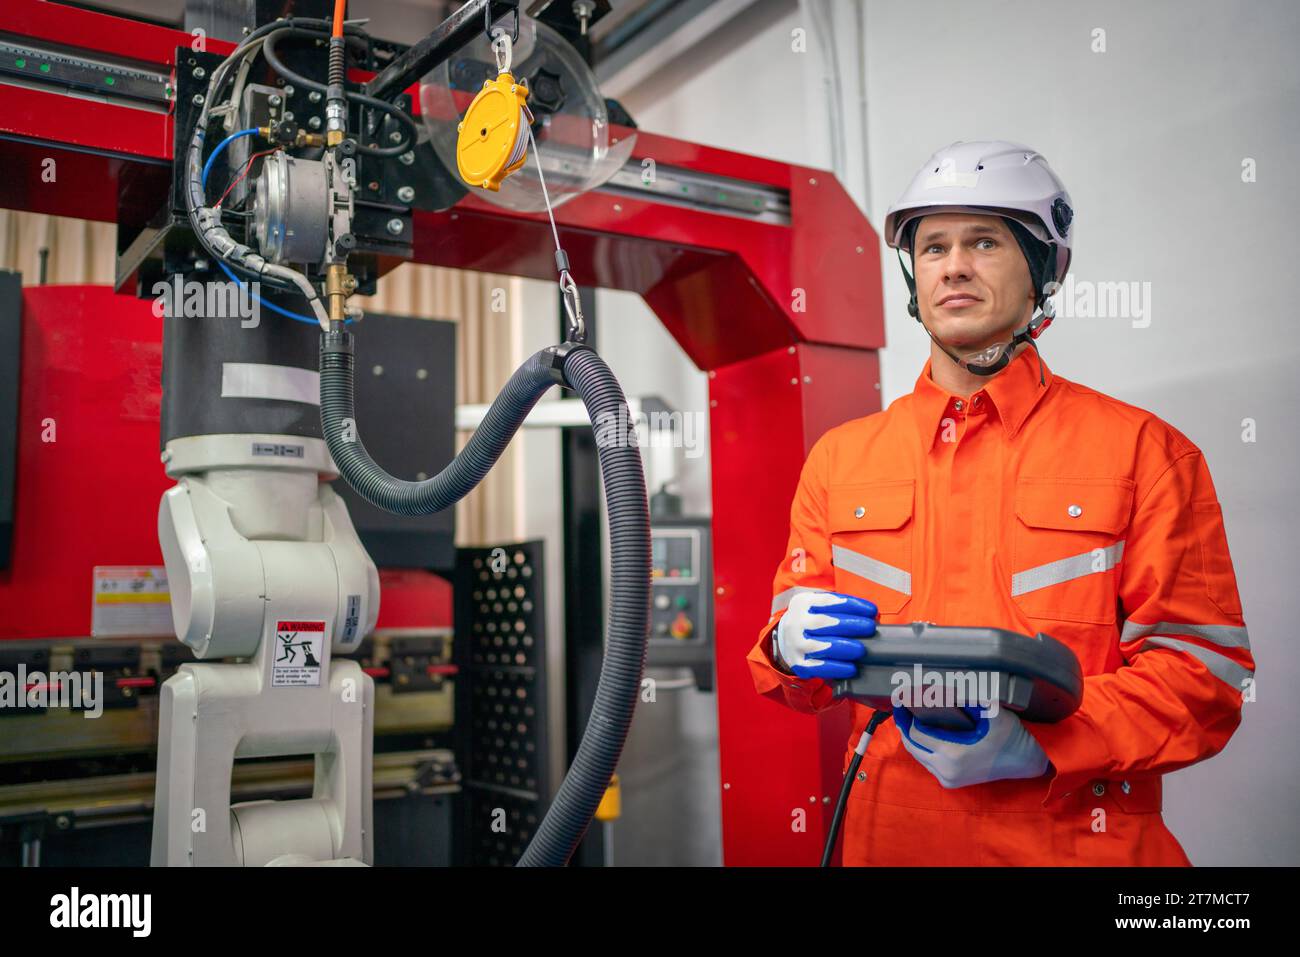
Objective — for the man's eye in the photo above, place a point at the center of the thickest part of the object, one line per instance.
(992, 244)
(930, 249)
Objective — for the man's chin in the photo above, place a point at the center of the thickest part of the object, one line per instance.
(957, 336)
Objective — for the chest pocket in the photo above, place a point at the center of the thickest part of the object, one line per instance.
(1069, 544)
(871, 528)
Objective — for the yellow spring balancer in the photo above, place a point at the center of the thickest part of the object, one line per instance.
(493, 136)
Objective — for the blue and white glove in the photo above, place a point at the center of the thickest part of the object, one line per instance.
(816, 635)
(995, 749)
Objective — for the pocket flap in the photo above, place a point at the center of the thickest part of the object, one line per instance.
(869, 505)
(1085, 505)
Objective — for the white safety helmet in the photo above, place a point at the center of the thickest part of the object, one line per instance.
(999, 178)
(989, 176)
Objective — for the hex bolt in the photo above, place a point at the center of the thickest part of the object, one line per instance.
(314, 96)
(288, 90)
(198, 73)
(314, 122)
(395, 226)
(197, 99)
(288, 115)
(407, 158)
(373, 186)
(395, 136)
(274, 99)
(406, 194)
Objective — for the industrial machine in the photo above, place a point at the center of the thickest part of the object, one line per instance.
(293, 158)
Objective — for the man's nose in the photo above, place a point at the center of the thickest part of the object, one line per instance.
(957, 265)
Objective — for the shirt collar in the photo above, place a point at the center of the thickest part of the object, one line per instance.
(1014, 393)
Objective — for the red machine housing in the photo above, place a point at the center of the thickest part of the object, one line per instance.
(786, 319)
(89, 477)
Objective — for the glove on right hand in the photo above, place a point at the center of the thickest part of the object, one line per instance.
(815, 637)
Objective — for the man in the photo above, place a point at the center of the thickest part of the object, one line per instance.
(998, 494)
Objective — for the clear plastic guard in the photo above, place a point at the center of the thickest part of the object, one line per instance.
(579, 150)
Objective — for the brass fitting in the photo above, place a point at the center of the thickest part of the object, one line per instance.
(302, 138)
(333, 138)
(339, 284)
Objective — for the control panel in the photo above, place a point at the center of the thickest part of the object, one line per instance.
(676, 583)
(681, 596)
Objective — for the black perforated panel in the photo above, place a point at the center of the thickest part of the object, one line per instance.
(501, 699)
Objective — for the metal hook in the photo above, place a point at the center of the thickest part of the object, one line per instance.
(573, 307)
(487, 22)
(503, 48)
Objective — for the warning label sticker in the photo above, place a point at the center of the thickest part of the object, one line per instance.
(131, 601)
(299, 646)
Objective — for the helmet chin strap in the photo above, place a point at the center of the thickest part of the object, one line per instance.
(993, 359)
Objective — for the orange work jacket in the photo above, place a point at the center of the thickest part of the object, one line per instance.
(1033, 508)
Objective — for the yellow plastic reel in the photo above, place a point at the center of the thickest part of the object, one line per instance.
(488, 148)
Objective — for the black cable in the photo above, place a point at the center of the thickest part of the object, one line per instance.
(278, 65)
(876, 720)
(829, 850)
(273, 59)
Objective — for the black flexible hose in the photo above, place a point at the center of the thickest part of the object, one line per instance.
(584, 785)
(629, 622)
(462, 474)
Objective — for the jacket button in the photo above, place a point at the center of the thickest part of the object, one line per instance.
(1099, 789)
(958, 405)
(1124, 786)
(859, 512)
(1075, 511)
(862, 775)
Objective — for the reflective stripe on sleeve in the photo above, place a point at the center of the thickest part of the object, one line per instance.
(782, 600)
(1222, 667)
(1067, 569)
(1225, 636)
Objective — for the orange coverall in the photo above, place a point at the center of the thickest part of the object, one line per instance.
(1054, 509)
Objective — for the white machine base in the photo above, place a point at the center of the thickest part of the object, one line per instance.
(264, 565)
